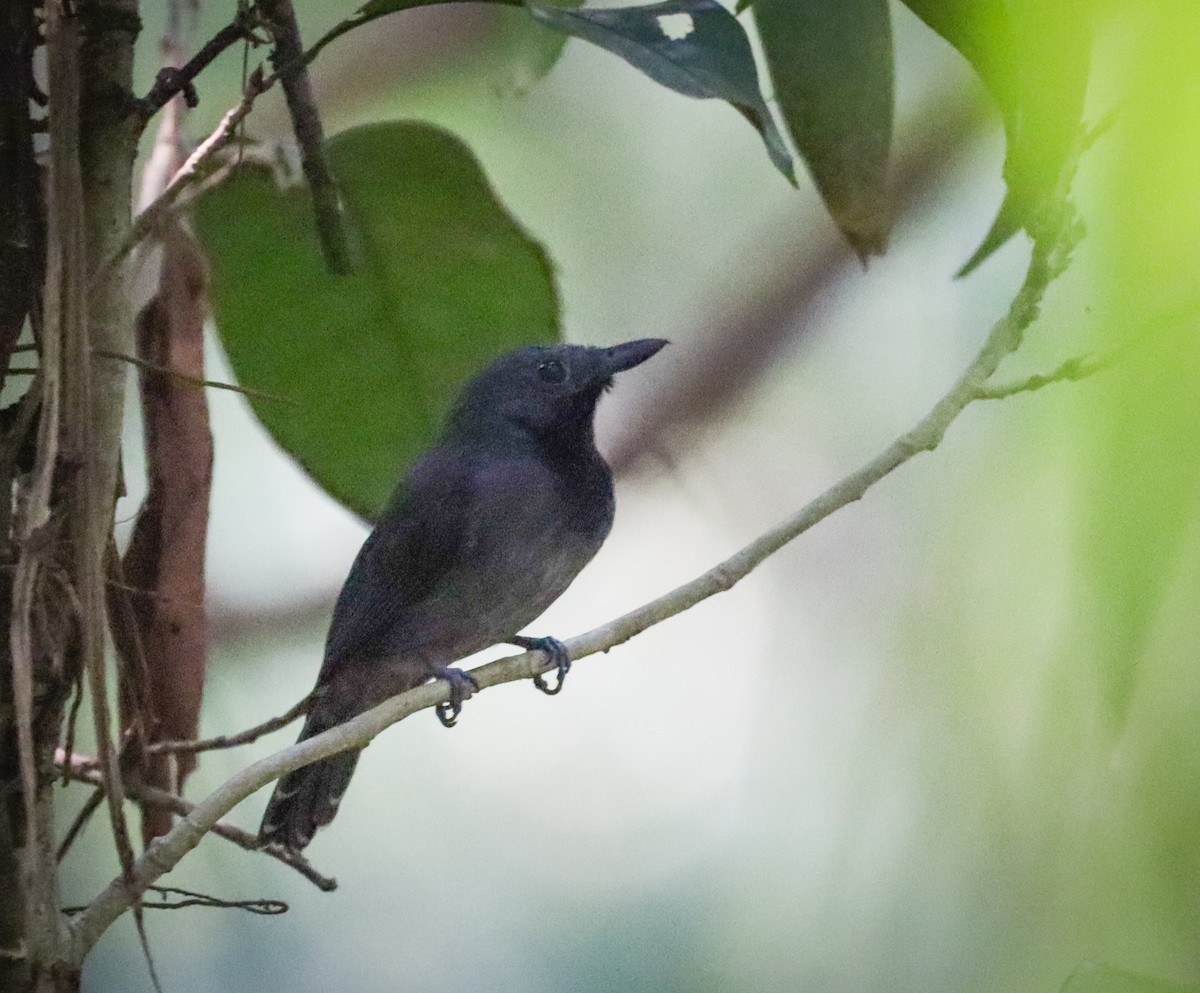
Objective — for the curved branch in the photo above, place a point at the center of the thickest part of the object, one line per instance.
(80, 770)
(1055, 232)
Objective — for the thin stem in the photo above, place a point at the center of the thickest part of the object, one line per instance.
(233, 740)
(189, 173)
(172, 80)
(1072, 370)
(82, 769)
(292, 71)
(193, 380)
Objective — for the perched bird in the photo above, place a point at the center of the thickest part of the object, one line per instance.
(482, 535)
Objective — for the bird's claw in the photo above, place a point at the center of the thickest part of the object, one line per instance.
(462, 685)
(556, 652)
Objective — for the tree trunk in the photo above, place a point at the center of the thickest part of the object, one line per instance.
(59, 537)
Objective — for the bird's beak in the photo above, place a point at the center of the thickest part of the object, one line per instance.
(631, 353)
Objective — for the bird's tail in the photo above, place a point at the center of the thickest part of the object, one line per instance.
(308, 798)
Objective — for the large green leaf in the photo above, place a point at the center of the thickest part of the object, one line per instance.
(448, 280)
(695, 47)
(1033, 58)
(831, 63)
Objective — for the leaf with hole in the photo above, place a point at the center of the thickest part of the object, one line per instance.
(694, 47)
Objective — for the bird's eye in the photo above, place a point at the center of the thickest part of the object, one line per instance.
(552, 371)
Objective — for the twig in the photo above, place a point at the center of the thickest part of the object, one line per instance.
(82, 769)
(90, 806)
(178, 79)
(1073, 370)
(266, 906)
(193, 380)
(290, 67)
(160, 208)
(233, 740)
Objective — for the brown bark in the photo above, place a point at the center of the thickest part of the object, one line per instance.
(65, 497)
(164, 566)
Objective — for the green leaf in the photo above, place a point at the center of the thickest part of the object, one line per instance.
(831, 63)
(526, 51)
(1095, 977)
(695, 47)
(1033, 58)
(448, 281)
(982, 32)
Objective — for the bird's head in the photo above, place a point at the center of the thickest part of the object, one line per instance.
(546, 390)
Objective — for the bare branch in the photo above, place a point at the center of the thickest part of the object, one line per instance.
(233, 740)
(292, 71)
(82, 769)
(90, 806)
(179, 79)
(189, 173)
(183, 377)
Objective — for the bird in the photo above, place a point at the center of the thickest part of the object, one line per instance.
(481, 535)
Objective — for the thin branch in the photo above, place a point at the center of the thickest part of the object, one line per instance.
(82, 769)
(90, 806)
(193, 380)
(233, 740)
(159, 209)
(266, 906)
(1073, 370)
(179, 79)
(287, 59)
(64, 303)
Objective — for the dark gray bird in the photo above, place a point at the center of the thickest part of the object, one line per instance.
(481, 536)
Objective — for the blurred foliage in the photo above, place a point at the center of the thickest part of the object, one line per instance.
(1095, 977)
(370, 362)
(1141, 457)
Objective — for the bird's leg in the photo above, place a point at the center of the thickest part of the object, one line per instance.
(555, 650)
(462, 685)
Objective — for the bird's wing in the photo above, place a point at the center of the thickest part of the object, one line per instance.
(412, 547)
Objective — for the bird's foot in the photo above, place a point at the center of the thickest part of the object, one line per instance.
(462, 685)
(556, 651)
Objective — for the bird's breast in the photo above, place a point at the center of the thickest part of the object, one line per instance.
(531, 531)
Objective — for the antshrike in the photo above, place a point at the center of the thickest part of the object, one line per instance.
(482, 535)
